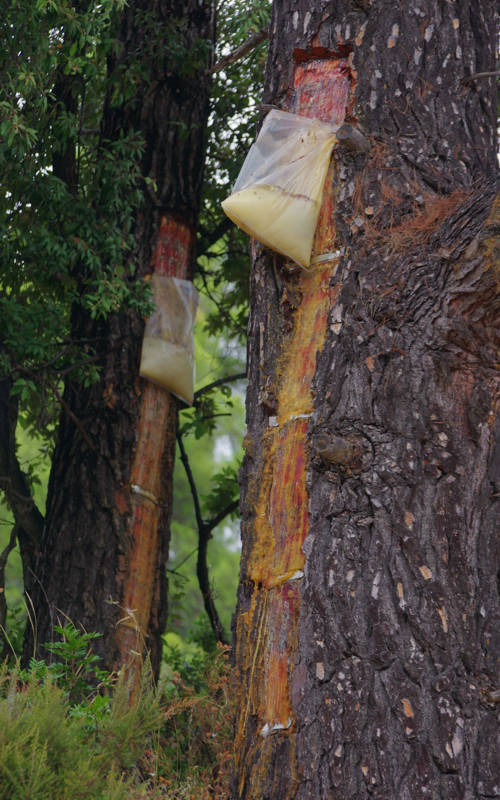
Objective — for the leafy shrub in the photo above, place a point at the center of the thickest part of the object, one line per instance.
(69, 730)
(47, 753)
(196, 738)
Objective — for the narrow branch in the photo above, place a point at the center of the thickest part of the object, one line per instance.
(208, 239)
(218, 305)
(27, 517)
(204, 535)
(219, 382)
(44, 366)
(479, 75)
(58, 395)
(189, 475)
(216, 416)
(241, 51)
(3, 602)
(176, 568)
(13, 481)
(72, 416)
(222, 514)
(5, 554)
(204, 584)
(174, 571)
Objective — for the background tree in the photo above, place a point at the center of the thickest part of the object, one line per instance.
(367, 639)
(157, 97)
(222, 278)
(82, 86)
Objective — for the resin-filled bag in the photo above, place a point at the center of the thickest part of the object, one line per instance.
(167, 356)
(277, 195)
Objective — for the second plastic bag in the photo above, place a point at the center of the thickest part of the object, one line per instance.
(277, 195)
(167, 350)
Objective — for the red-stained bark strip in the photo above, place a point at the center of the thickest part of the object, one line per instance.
(275, 564)
(158, 413)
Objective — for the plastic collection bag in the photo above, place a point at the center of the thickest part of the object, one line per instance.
(167, 356)
(277, 195)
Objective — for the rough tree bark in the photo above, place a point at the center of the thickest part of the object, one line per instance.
(368, 624)
(105, 542)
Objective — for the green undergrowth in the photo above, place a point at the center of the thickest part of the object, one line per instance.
(69, 730)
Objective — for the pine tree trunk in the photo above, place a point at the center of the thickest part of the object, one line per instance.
(367, 632)
(105, 543)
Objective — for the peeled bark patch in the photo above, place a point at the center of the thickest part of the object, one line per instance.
(275, 561)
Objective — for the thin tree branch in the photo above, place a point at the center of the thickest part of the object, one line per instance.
(189, 475)
(3, 601)
(209, 238)
(218, 305)
(28, 521)
(479, 75)
(204, 584)
(174, 571)
(13, 481)
(45, 365)
(241, 51)
(216, 416)
(183, 561)
(222, 514)
(73, 417)
(5, 554)
(204, 536)
(219, 382)
(61, 400)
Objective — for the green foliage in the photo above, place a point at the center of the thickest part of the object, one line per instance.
(201, 419)
(16, 617)
(76, 668)
(197, 737)
(224, 263)
(76, 674)
(68, 198)
(163, 743)
(53, 747)
(208, 456)
(68, 201)
(173, 41)
(43, 752)
(225, 490)
(188, 657)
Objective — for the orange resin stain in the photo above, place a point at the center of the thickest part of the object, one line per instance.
(324, 239)
(174, 247)
(145, 494)
(273, 618)
(267, 633)
(172, 256)
(281, 520)
(327, 78)
(298, 364)
(275, 707)
(277, 560)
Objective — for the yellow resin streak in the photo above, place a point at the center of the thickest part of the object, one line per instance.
(267, 633)
(276, 561)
